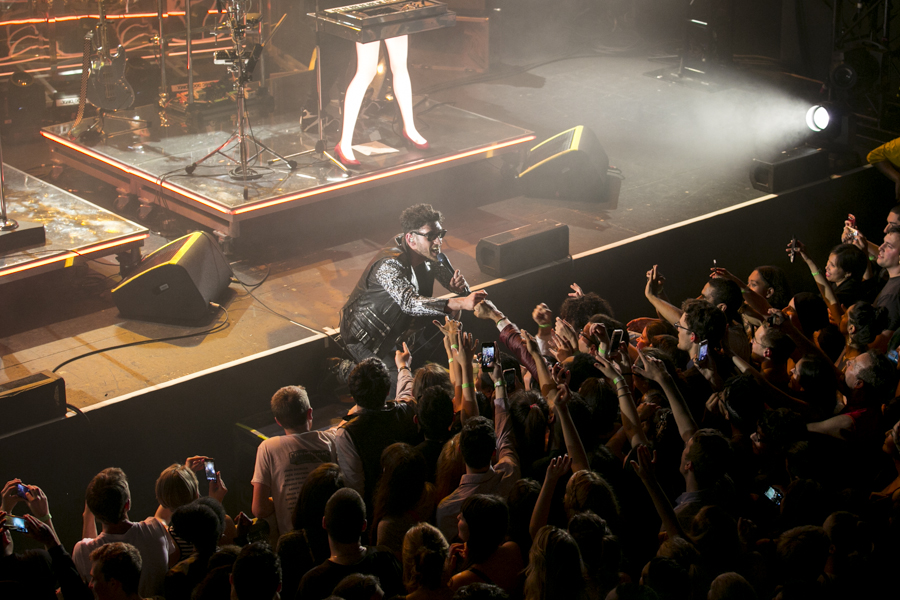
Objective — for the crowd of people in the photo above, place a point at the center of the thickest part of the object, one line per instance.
(743, 444)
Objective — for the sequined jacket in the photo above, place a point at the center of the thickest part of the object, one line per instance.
(392, 300)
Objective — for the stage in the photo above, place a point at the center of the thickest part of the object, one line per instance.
(76, 231)
(148, 161)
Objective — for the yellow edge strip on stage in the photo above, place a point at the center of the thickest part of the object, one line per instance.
(70, 255)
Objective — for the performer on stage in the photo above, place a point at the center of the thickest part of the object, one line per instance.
(366, 67)
(392, 301)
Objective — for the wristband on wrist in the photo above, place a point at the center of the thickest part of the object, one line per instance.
(745, 291)
(618, 380)
(814, 274)
(499, 384)
(407, 368)
(871, 257)
(601, 351)
(449, 360)
(545, 326)
(466, 385)
(46, 518)
(454, 346)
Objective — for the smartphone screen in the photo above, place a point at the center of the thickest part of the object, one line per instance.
(509, 377)
(210, 467)
(615, 340)
(21, 490)
(16, 524)
(488, 354)
(704, 351)
(774, 495)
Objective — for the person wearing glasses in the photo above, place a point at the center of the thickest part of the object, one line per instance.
(392, 303)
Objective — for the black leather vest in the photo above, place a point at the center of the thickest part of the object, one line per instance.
(371, 317)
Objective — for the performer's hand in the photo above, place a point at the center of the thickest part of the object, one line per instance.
(469, 302)
(458, 283)
(402, 358)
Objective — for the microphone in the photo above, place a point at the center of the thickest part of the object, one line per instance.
(445, 263)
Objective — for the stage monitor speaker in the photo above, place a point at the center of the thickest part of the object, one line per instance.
(789, 169)
(176, 283)
(522, 248)
(32, 400)
(570, 165)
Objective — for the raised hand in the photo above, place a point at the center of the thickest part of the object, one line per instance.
(217, 488)
(41, 532)
(195, 463)
(650, 368)
(565, 331)
(486, 310)
(472, 300)
(562, 347)
(609, 368)
(467, 345)
(576, 292)
(11, 495)
(38, 505)
(645, 465)
(448, 328)
(798, 247)
(403, 358)
(720, 273)
(542, 315)
(528, 341)
(558, 467)
(655, 282)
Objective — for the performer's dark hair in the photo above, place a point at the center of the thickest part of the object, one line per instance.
(418, 215)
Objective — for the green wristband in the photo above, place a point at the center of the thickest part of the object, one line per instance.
(466, 385)
(499, 384)
(545, 326)
(816, 273)
(454, 346)
(618, 380)
(449, 360)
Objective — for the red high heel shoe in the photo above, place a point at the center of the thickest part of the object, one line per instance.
(343, 159)
(415, 145)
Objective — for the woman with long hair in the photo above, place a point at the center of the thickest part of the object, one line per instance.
(402, 496)
(483, 556)
(554, 568)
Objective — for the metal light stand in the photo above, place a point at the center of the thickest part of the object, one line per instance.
(237, 61)
(320, 148)
(5, 224)
(164, 93)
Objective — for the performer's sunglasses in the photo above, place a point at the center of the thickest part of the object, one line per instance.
(432, 235)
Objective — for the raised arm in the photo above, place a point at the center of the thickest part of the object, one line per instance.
(653, 293)
(653, 369)
(467, 344)
(823, 284)
(645, 467)
(557, 468)
(630, 419)
(753, 300)
(574, 447)
(450, 329)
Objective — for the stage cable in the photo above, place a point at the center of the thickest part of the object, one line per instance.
(214, 329)
(278, 314)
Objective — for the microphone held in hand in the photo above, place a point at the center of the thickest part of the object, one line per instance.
(444, 262)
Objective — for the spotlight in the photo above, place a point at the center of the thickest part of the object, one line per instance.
(818, 118)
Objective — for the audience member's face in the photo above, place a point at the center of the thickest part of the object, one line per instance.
(420, 243)
(759, 285)
(757, 349)
(889, 252)
(833, 272)
(463, 527)
(891, 445)
(682, 468)
(99, 585)
(684, 335)
(854, 366)
(893, 219)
